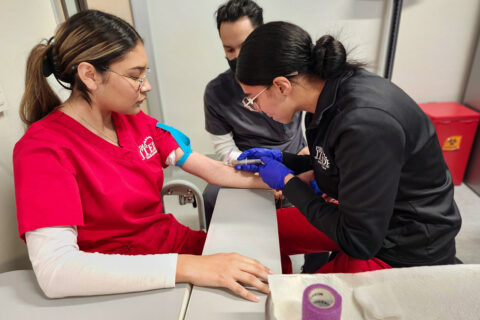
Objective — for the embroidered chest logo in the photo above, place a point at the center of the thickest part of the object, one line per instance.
(147, 149)
(322, 159)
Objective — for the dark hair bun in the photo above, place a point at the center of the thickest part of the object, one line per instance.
(329, 57)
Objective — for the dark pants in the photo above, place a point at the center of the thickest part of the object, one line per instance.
(209, 198)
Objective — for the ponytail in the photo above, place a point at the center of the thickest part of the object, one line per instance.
(38, 99)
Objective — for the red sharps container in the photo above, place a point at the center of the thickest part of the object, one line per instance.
(456, 126)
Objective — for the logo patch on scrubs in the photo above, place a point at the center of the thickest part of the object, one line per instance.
(322, 159)
(147, 149)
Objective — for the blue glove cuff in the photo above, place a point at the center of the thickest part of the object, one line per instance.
(277, 155)
(315, 187)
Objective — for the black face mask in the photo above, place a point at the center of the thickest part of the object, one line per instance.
(233, 64)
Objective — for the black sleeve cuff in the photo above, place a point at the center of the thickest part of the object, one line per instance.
(299, 194)
(296, 162)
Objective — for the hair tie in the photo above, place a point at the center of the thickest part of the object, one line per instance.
(47, 63)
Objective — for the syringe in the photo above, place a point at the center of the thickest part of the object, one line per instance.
(245, 161)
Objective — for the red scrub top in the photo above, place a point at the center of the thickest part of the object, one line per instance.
(65, 175)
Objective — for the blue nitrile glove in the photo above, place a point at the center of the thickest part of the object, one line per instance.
(273, 173)
(257, 153)
(182, 140)
(315, 187)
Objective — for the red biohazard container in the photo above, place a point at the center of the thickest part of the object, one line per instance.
(456, 126)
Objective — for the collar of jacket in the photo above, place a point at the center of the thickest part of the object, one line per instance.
(328, 96)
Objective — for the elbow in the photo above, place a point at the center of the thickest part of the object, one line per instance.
(362, 249)
(50, 280)
(51, 294)
(46, 283)
(361, 255)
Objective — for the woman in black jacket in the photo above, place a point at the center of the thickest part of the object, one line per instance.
(371, 147)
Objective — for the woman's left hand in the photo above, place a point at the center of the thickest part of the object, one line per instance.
(257, 153)
(228, 270)
(329, 199)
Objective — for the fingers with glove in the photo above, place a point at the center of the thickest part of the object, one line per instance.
(257, 153)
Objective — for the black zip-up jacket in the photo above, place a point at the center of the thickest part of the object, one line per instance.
(373, 149)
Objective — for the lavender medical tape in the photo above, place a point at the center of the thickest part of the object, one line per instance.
(321, 302)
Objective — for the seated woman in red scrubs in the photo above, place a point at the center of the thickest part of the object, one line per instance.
(89, 173)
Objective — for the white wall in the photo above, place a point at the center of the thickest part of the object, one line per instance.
(120, 8)
(188, 51)
(23, 24)
(435, 48)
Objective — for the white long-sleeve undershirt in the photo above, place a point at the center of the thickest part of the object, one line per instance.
(63, 270)
(223, 145)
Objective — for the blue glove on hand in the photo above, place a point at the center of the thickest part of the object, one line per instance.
(273, 173)
(257, 153)
(182, 140)
(315, 187)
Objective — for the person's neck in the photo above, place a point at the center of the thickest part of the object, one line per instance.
(92, 117)
(311, 90)
(77, 107)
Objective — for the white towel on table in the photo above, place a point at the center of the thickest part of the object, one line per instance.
(437, 292)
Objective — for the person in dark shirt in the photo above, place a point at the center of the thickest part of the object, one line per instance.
(371, 148)
(232, 127)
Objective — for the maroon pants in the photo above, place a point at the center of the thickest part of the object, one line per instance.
(298, 236)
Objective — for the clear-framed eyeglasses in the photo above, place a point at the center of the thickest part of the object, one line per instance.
(250, 104)
(139, 80)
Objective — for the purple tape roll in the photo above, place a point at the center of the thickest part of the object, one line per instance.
(321, 302)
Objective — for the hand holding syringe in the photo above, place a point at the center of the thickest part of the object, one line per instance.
(234, 162)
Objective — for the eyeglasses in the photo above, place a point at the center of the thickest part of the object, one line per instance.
(140, 80)
(249, 103)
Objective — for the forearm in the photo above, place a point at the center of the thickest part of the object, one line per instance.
(230, 177)
(63, 270)
(217, 173)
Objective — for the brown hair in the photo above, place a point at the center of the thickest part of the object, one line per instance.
(90, 36)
